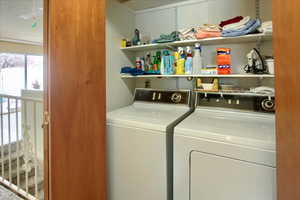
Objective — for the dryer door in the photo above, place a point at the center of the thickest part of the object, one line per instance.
(220, 178)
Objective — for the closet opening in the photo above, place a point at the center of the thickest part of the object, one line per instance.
(194, 116)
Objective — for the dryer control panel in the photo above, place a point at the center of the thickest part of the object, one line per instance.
(252, 103)
(163, 96)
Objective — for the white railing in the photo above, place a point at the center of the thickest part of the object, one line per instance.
(21, 140)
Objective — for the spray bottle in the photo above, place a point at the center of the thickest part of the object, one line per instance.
(189, 61)
(180, 62)
(197, 60)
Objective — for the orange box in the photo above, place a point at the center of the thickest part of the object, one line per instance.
(224, 56)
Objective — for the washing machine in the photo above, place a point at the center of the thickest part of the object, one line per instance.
(140, 144)
(225, 153)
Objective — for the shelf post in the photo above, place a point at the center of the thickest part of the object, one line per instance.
(257, 9)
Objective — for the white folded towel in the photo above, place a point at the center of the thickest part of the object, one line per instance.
(266, 27)
(237, 25)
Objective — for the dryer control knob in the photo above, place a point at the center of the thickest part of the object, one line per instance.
(176, 97)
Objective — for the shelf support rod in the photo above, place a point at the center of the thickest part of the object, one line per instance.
(257, 9)
(257, 12)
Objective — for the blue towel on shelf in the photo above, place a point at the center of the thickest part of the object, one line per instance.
(250, 27)
(132, 71)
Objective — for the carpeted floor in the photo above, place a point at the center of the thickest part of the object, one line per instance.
(7, 195)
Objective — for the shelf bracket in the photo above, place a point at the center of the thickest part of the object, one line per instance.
(258, 43)
(171, 48)
(190, 78)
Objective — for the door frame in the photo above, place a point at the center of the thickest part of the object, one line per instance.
(46, 99)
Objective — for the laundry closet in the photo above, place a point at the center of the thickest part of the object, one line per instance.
(124, 18)
(214, 60)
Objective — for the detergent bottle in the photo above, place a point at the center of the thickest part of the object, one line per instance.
(168, 63)
(180, 62)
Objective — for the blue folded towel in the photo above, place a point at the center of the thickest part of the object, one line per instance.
(132, 71)
(250, 27)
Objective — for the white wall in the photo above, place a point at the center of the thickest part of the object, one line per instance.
(192, 13)
(119, 25)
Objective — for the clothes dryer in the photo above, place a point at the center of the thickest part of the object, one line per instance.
(225, 153)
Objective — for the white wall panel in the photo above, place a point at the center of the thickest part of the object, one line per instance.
(156, 22)
(266, 10)
(193, 14)
(119, 25)
(220, 10)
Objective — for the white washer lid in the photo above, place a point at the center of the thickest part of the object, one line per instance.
(150, 116)
(230, 126)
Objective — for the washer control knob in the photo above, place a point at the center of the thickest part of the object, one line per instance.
(176, 97)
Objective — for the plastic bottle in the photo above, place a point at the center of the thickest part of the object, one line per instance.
(197, 60)
(168, 63)
(176, 58)
(148, 63)
(180, 62)
(189, 61)
(162, 65)
(157, 62)
(143, 63)
(138, 63)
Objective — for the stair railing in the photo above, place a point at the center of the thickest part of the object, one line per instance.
(21, 140)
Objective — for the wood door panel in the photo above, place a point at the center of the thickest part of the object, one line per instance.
(286, 19)
(76, 59)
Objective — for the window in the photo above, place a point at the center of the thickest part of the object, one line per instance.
(19, 71)
(12, 73)
(34, 72)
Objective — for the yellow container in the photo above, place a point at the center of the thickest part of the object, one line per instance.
(180, 66)
(123, 43)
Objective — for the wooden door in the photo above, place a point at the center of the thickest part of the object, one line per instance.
(286, 19)
(75, 53)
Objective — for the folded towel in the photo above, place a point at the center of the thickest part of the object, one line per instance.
(209, 27)
(266, 27)
(207, 34)
(187, 34)
(250, 27)
(231, 21)
(132, 71)
(238, 25)
(174, 36)
(247, 25)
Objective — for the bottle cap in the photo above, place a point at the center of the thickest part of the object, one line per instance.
(198, 46)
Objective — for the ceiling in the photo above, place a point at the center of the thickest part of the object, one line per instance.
(145, 4)
(17, 19)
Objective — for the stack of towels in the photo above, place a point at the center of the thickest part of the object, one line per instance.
(239, 26)
(266, 27)
(208, 31)
(187, 34)
(200, 32)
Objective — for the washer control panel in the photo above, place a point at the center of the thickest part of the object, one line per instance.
(163, 96)
(176, 97)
